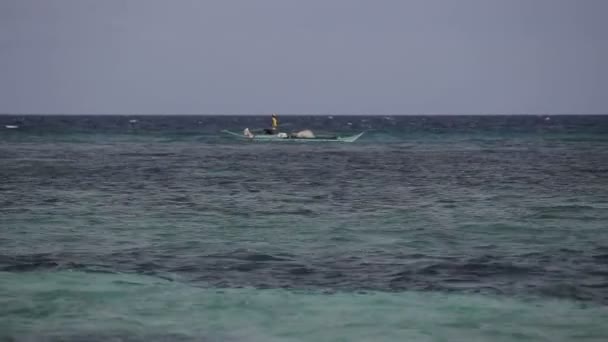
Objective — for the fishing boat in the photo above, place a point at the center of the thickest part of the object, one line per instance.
(293, 137)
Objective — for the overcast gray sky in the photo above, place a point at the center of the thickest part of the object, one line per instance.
(303, 56)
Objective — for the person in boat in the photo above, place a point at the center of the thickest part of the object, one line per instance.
(274, 125)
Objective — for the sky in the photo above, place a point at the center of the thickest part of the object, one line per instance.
(304, 56)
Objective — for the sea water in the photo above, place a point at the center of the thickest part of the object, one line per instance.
(427, 228)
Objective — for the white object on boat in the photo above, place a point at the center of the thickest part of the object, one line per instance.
(305, 134)
(247, 133)
(11, 126)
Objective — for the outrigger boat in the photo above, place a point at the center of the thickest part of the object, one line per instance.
(300, 136)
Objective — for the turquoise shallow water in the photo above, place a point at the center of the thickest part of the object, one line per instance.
(91, 307)
(427, 228)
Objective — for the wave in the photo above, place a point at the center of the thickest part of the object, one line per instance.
(76, 306)
(527, 274)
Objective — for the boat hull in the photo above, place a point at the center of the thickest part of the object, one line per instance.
(264, 137)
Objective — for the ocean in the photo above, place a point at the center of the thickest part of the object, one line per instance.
(427, 228)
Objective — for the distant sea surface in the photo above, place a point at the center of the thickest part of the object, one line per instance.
(427, 228)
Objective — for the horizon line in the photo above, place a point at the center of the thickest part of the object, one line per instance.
(299, 114)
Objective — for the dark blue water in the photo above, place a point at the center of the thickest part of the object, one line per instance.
(426, 228)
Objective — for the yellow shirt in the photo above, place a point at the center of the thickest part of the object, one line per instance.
(275, 122)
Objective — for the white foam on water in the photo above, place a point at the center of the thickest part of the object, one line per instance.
(74, 305)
